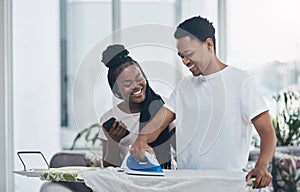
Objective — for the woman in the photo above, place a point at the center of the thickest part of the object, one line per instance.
(139, 104)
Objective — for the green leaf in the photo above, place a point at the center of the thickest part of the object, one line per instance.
(86, 134)
(77, 137)
(286, 123)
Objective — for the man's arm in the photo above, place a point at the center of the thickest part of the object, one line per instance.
(264, 127)
(150, 132)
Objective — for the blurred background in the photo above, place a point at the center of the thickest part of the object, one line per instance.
(53, 83)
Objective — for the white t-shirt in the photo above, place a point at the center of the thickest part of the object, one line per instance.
(132, 123)
(213, 119)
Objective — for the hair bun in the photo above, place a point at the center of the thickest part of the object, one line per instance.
(114, 55)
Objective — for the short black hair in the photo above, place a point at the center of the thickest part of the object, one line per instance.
(196, 28)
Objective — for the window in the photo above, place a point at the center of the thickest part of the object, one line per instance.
(263, 37)
(83, 24)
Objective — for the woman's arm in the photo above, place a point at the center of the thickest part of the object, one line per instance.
(111, 154)
(111, 148)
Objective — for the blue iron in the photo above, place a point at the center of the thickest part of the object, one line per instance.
(148, 167)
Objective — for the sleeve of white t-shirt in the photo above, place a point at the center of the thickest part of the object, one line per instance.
(171, 102)
(172, 125)
(253, 103)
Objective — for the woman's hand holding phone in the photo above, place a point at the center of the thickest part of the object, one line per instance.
(115, 129)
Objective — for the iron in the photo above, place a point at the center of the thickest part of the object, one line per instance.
(136, 167)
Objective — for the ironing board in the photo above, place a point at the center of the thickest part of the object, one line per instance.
(113, 179)
(116, 179)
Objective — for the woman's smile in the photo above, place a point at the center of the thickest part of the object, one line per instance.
(137, 92)
(190, 67)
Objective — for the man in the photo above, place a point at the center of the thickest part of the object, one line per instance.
(215, 110)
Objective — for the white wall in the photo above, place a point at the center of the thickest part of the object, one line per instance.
(36, 82)
(6, 174)
(2, 100)
(204, 8)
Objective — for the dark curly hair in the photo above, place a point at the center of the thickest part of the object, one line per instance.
(116, 58)
(196, 28)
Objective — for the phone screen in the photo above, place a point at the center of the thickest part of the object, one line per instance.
(107, 124)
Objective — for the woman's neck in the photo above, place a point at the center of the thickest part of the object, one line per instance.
(130, 107)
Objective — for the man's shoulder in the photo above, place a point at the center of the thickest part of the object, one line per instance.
(233, 69)
(186, 80)
(237, 73)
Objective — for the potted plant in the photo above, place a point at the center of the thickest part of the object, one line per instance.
(287, 120)
(89, 134)
(286, 166)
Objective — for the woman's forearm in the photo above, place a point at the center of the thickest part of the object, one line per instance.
(111, 153)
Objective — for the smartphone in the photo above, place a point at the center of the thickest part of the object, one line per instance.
(108, 124)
